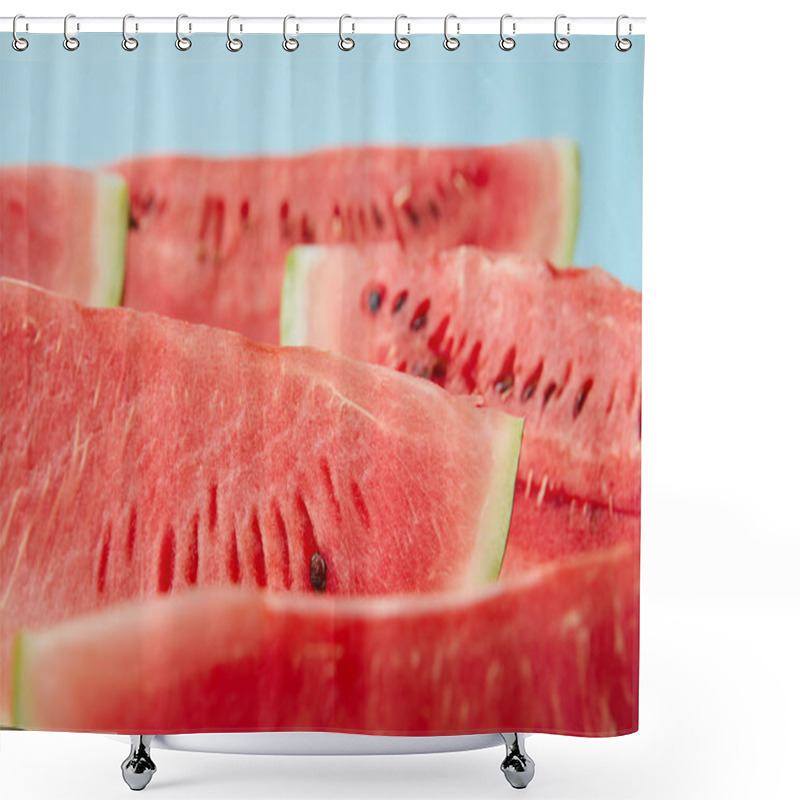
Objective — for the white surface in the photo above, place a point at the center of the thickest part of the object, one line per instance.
(720, 697)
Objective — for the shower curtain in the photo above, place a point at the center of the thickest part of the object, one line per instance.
(320, 376)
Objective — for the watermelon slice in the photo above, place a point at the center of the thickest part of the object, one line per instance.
(209, 237)
(550, 529)
(64, 229)
(555, 652)
(142, 455)
(561, 348)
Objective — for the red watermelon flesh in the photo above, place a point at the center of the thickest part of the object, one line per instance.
(64, 229)
(555, 652)
(561, 348)
(209, 237)
(142, 455)
(552, 529)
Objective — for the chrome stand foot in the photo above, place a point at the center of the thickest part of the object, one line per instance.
(517, 766)
(138, 768)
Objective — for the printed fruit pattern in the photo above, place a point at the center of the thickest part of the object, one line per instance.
(561, 348)
(558, 647)
(64, 229)
(210, 502)
(177, 456)
(209, 237)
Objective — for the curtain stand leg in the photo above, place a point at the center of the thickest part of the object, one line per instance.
(517, 766)
(138, 768)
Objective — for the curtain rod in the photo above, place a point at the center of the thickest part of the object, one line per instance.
(407, 25)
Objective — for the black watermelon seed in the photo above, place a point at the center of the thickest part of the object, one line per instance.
(504, 384)
(420, 315)
(399, 302)
(439, 371)
(532, 383)
(133, 223)
(581, 398)
(318, 573)
(548, 393)
(504, 381)
(375, 298)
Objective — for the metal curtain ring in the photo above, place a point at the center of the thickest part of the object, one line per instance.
(182, 42)
(400, 42)
(507, 42)
(561, 43)
(18, 43)
(451, 42)
(345, 42)
(233, 44)
(289, 44)
(128, 42)
(623, 45)
(70, 42)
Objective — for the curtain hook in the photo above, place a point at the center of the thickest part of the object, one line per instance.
(507, 42)
(129, 43)
(345, 42)
(451, 42)
(561, 43)
(401, 42)
(233, 44)
(18, 43)
(289, 44)
(182, 42)
(70, 42)
(623, 45)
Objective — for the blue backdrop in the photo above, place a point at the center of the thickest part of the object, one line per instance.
(100, 103)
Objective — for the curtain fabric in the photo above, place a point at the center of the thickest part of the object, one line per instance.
(320, 377)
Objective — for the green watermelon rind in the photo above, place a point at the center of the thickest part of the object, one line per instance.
(300, 263)
(490, 545)
(111, 235)
(19, 659)
(570, 158)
